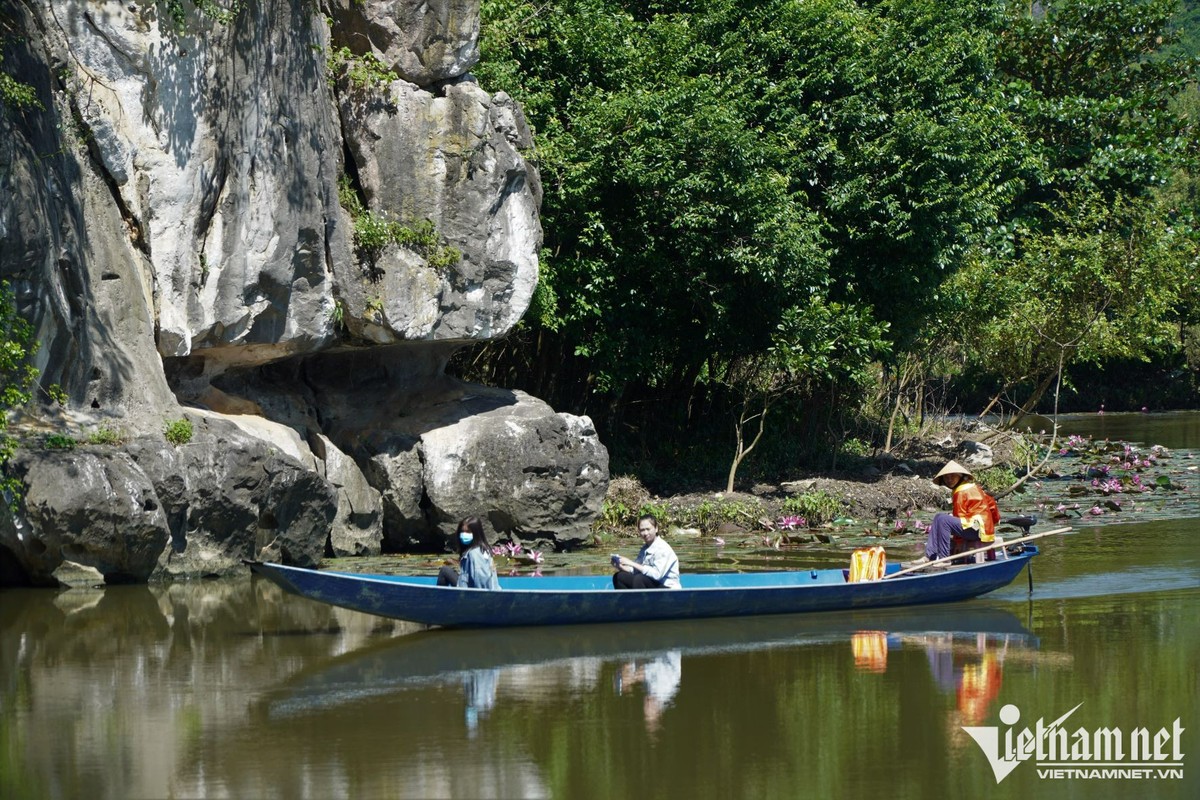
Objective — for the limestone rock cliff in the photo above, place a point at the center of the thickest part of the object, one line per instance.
(277, 220)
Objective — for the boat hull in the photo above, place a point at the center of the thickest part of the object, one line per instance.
(573, 600)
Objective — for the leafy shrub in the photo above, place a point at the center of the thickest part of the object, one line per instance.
(57, 394)
(178, 431)
(373, 232)
(1029, 449)
(622, 502)
(17, 345)
(16, 94)
(661, 511)
(217, 11)
(365, 72)
(348, 197)
(817, 507)
(856, 447)
(337, 314)
(710, 513)
(373, 310)
(995, 479)
(105, 435)
(613, 515)
(58, 441)
(706, 515)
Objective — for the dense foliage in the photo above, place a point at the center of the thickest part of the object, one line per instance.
(15, 96)
(1095, 259)
(750, 203)
(712, 167)
(16, 377)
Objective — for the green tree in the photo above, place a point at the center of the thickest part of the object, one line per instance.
(1094, 260)
(1103, 282)
(1093, 85)
(912, 145)
(714, 169)
(825, 345)
(672, 233)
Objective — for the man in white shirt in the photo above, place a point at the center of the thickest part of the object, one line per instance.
(656, 567)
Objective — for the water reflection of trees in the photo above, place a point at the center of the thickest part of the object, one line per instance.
(138, 675)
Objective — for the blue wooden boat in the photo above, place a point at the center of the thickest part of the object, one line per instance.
(573, 600)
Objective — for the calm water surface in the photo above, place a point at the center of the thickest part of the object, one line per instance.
(231, 689)
(1173, 429)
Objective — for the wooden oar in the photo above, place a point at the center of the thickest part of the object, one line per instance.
(983, 549)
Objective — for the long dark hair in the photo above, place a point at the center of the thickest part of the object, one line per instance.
(474, 526)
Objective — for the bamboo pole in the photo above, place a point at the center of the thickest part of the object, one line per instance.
(983, 549)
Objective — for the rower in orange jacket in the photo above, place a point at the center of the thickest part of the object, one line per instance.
(972, 520)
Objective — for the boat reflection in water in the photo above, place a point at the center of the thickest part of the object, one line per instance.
(968, 665)
(966, 645)
(972, 673)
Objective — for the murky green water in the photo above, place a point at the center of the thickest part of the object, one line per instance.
(1174, 429)
(231, 689)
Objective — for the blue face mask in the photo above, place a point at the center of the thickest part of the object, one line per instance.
(466, 538)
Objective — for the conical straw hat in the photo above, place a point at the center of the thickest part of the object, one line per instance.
(952, 468)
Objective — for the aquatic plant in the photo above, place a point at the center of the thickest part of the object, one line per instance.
(1074, 444)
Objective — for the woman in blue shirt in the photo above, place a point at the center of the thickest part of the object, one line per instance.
(476, 570)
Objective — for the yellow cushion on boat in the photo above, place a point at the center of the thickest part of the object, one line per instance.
(867, 564)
